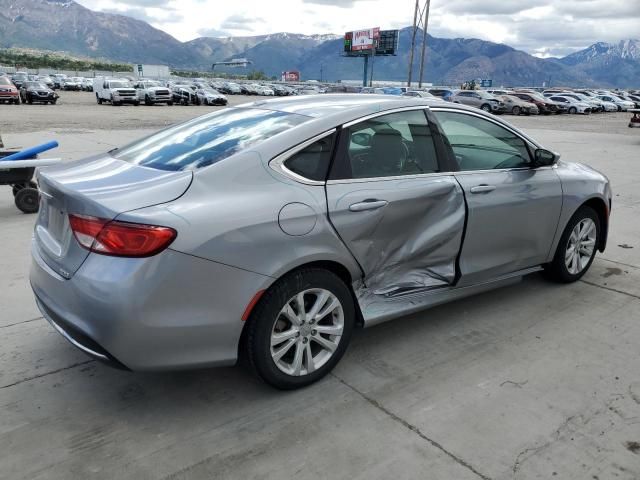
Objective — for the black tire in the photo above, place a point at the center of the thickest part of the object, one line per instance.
(98, 99)
(573, 110)
(515, 110)
(170, 104)
(557, 270)
(147, 100)
(486, 107)
(27, 199)
(257, 338)
(136, 104)
(29, 99)
(53, 102)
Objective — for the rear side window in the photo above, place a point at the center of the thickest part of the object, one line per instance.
(386, 146)
(208, 139)
(312, 162)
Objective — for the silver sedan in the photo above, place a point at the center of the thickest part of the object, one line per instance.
(273, 229)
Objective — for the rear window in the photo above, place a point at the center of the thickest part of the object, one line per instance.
(206, 140)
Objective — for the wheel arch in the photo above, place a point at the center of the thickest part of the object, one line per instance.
(602, 210)
(332, 266)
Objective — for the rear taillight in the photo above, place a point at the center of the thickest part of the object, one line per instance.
(120, 239)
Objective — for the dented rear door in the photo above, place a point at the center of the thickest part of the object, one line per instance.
(399, 216)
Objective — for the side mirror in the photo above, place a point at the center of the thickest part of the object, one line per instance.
(362, 139)
(544, 158)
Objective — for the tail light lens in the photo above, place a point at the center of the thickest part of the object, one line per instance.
(120, 239)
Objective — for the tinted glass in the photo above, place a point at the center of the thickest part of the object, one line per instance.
(479, 144)
(313, 161)
(389, 145)
(206, 140)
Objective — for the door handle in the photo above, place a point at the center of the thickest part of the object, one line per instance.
(369, 204)
(483, 188)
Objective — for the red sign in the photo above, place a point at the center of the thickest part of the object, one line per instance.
(292, 76)
(365, 39)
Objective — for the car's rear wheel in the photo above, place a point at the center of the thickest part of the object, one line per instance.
(486, 107)
(300, 328)
(515, 110)
(573, 110)
(577, 247)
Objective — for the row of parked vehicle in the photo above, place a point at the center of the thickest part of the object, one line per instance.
(27, 91)
(118, 91)
(534, 102)
(526, 101)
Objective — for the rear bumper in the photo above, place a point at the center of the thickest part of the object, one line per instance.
(170, 311)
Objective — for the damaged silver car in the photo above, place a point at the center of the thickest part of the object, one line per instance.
(271, 230)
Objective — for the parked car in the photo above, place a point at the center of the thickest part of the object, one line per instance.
(242, 233)
(372, 90)
(115, 91)
(19, 78)
(621, 105)
(46, 80)
(392, 90)
(635, 99)
(231, 88)
(86, 85)
(443, 93)
(264, 90)
(184, 94)
(572, 105)
(210, 96)
(8, 91)
(479, 99)
(58, 80)
(37, 92)
(517, 106)
(151, 92)
(596, 104)
(420, 94)
(544, 105)
(72, 83)
(309, 90)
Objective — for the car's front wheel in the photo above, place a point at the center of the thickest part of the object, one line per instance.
(300, 328)
(577, 247)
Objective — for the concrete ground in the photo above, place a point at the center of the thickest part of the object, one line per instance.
(532, 381)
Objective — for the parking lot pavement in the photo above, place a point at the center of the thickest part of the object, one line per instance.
(531, 381)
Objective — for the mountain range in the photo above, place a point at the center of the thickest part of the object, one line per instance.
(64, 25)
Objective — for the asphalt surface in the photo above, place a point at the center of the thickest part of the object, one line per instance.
(532, 381)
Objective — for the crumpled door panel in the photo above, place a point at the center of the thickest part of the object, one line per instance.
(410, 244)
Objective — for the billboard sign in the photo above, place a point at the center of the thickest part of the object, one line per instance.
(359, 40)
(486, 83)
(290, 76)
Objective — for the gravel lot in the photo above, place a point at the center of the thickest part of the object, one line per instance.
(532, 381)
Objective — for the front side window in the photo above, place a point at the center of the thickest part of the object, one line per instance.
(313, 161)
(386, 146)
(479, 144)
(208, 139)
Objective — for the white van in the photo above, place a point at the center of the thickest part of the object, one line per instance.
(115, 90)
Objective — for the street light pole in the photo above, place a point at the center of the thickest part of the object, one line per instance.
(425, 23)
(413, 42)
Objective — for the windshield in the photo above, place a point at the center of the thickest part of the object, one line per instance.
(5, 81)
(119, 85)
(35, 85)
(208, 139)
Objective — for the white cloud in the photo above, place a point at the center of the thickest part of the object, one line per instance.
(551, 27)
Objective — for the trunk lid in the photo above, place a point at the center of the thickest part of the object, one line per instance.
(101, 187)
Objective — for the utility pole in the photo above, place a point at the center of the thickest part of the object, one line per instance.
(371, 75)
(413, 41)
(321, 67)
(425, 23)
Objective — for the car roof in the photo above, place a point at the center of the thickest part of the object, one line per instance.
(348, 104)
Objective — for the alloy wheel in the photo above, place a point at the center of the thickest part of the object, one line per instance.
(580, 246)
(307, 332)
